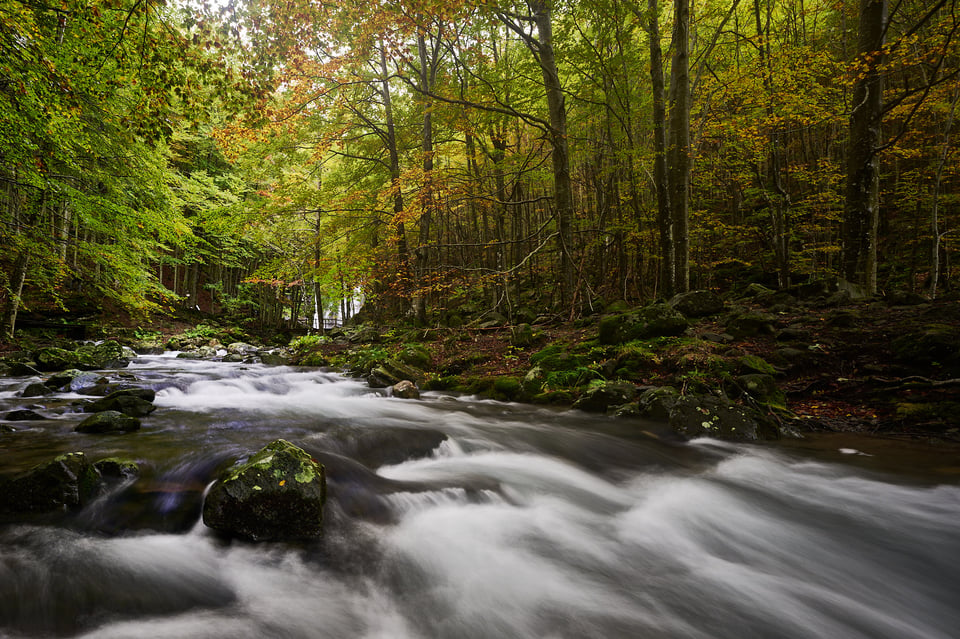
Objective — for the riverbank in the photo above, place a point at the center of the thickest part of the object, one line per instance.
(805, 361)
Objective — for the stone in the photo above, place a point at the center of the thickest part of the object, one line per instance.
(278, 494)
(68, 482)
(534, 381)
(655, 320)
(275, 358)
(55, 359)
(414, 355)
(23, 415)
(763, 389)
(934, 343)
(108, 422)
(601, 396)
(241, 348)
(697, 303)
(693, 416)
(123, 403)
(405, 389)
(522, 336)
(750, 324)
(117, 468)
(35, 389)
(107, 354)
(655, 403)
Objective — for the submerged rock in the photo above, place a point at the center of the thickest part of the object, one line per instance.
(693, 416)
(277, 494)
(35, 389)
(108, 421)
(23, 415)
(135, 402)
(67, 482)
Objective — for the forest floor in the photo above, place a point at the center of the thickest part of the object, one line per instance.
(846, 372)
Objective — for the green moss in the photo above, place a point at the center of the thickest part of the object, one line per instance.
(752, 363)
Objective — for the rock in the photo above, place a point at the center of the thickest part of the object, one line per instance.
(36, 389)
(763, 389)
(4, 428)
(842, 318)
(23, 415)
(655, 320)
(755, 364)
(750, 324)
(794, 334)
(55, 359)
(108, 354)
(405, 389)
(275, 358)
(393, 371)
(656, 403)
(693, 416)
(938, 343)
(533, 382)
(522, 336)
(201, 352)
(22, 369)
(601, 396)
(242, 348)
(697, 303)
(123, 403)
(233, 358)
(107, 422)
(117, 468)
(414, 355)
(904, 298)
(67, 482)
(278, 494)
(146, 346)
(61, 380)
(103, 387)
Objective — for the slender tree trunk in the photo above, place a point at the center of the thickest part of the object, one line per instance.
(12, 307)
(678, 160)
(563, 191)
(934, 279)
(660, 176)
(403, 258)
(861, 214)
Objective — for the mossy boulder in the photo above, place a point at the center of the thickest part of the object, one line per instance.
(117, 468)
(655, 403)
(393, 371)
(23, 415)
(123, 402)
(601, 396)
(934, 343)
(762, 389)
(68, 482)
(534, 381)
(108, 354)
(655, 320)
(278, 494)
(415, 355)
(557, 357)
(51, 359)
(693, 416)
(522, 336)
(755, 364)
(35, 389)
(697, 303)
(109, 421)
(750, 324)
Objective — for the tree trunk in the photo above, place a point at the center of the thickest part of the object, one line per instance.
(563, 191)
(660, 178)
(861, 214)
(17, 277)
(678, 159)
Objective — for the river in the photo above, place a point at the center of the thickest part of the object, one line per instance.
(507, 521)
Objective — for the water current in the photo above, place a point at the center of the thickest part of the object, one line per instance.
(452, 517)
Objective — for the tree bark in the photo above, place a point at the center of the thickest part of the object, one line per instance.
(678, 159)
(861, 214)
(12, 307)
(660, 178)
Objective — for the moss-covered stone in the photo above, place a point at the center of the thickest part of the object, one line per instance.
(697, 303)
(750, 324)
(656, 403)
(602, 395)
(277, 494)
(522, 336)
(110, 421)
(693, 416)
(762, 389)
(117, 468)
(123, 402)
(755, 364)
(655, 320)
(55, 359)
(68, 482)
(415, 355)
(934, 343)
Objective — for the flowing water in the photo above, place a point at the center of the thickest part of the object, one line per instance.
(457, 518)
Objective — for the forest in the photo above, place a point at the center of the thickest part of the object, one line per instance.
(264, 159)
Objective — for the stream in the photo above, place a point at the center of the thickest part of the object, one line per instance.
(453, 517)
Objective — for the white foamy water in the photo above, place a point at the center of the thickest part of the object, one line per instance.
(519, 523)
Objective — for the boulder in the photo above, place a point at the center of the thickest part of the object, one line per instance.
(109, 421)
(601, 396)
(534, 381)
(108, 354)
(693, 416)
(522, 336)
(23, 415)
(35, 389)
(405, 389)
(751, 324)
(655, 403)
(67, 482)
(393, 371)
(51, 359)
(934, 343)
(697, 303)
(201, 352)
(117, 468)
(277, 494)
(414, 355)
(123, 403)
(241, 348)
(275, 358)
(762, 389)
(655, 320)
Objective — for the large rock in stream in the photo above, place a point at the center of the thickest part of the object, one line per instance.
(67, 482)
(276, 495)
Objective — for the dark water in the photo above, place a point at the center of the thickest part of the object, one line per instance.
(523, 522)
